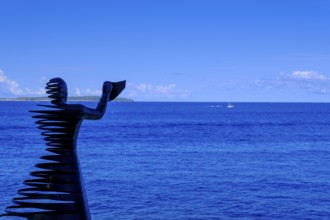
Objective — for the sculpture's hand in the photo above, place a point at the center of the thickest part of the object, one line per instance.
(107, 87)
(117, 88)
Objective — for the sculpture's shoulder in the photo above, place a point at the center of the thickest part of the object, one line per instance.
(60, 112)
(73, 107)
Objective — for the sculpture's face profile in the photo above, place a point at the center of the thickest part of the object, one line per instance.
(57, 90)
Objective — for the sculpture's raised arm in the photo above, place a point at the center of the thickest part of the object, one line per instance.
(110, 91)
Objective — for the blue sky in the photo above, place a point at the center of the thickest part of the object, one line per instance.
(169, 50)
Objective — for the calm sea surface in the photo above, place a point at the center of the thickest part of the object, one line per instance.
(187, 160)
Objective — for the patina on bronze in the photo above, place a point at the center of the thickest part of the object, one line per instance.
(56, 191)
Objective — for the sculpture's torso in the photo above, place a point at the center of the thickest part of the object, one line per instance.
(56, 191)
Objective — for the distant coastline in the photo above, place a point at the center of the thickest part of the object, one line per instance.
(72, 98)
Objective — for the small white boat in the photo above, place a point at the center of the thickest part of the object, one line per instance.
(230, 105)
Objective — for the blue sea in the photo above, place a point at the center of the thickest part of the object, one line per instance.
(150, 160)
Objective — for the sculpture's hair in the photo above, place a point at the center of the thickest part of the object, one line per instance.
(57, 90)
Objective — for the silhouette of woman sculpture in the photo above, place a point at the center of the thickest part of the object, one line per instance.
(56, 191)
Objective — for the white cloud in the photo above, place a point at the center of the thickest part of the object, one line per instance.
(87, 92)
(158, 89)
(308, 81)
(12, 88)
(142, 87)
(165, 89)
(155, 92)
(38, 92)
(308, 75)
(77, 92)
(8, 85)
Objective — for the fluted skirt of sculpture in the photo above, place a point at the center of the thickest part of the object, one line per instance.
(56, 191)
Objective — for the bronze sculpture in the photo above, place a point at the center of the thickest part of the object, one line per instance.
(56, 192)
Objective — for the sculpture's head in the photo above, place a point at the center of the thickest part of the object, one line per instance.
(57, 90)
